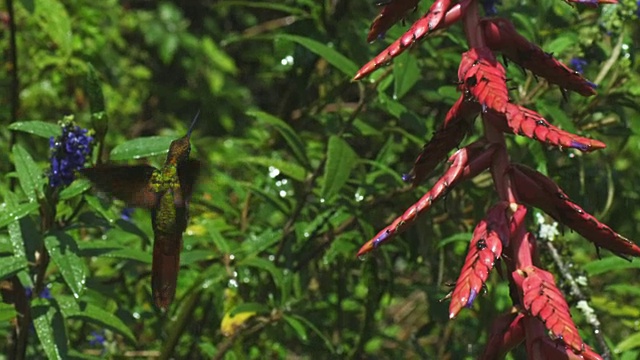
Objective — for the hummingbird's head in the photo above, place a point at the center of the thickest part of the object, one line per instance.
(180, 148)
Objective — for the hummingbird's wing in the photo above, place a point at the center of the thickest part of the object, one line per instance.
(129, 183)
(188, 171)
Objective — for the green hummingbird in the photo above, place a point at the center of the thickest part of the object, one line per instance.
(166, 192)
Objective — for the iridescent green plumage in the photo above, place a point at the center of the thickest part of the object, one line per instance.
(166, 192)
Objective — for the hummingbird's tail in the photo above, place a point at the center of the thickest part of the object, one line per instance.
(164, 270)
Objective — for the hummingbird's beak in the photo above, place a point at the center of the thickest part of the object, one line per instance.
(193, 123)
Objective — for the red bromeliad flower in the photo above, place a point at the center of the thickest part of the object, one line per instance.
(540, 308)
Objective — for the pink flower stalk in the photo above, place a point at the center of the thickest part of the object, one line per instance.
(540, 316)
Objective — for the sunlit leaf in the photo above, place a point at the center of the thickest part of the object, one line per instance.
(141, 147)
(64, 253)
(9, 214)
(297, 326)
(341, 159)
(287, 132)
(29, 174)
(406, 74)
(92, 313)
(38, 128)
(333, 57)
(49, 326)
(10, 266)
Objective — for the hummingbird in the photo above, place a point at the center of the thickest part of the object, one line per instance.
(166, 192)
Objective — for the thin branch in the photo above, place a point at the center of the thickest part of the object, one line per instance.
(15, 82)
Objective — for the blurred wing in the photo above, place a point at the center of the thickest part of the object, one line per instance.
(187, 173)
(130, 184)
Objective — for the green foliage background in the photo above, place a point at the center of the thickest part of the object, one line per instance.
(302, 167)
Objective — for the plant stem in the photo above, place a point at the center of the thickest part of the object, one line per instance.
(15, 83)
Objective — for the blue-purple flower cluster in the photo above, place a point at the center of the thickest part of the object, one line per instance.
(98, 338)
(578, 64)
(44, 294)
(68, 154)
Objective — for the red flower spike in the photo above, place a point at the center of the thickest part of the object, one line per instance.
(506, 333)
(456, 125)
(482, 76)
(465, 163)
(538, 190)
(501, 35)
(392, 12)
(418, 31)
(540, 297)
(486, 245)
(542, 347)
(522, 121)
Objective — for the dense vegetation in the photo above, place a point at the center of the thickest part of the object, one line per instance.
(302, 166)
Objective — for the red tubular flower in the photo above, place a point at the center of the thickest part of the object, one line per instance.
(502, 36)
(538, 190)
(392, 12)
(457, 124)
(522, 121)
(484, 78)
(485, 248)
(540, 306)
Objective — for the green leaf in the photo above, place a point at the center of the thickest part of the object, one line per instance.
(28, 5)
(406, 74)
(7, 312)
(111, 250)
(333, 57)
(294, 171)
(629, 343)
(9, 214)
(324, 338)
(609, 264)
(10, 266)
(94, 90)
(264, 264)
(106, 212)
(64, 252)
(29, 174)
(454, 238)
(341, 159)
(54, 20)
(50, 328)
(141, 147)
(217, 238)
(76, 188)
(38, 128)
(562, 42)
(280, 204)
(287, 132)
(92, 313)
(297, 326)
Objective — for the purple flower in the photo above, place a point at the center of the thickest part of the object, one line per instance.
(44, 294)
(127, 213)
(68, 153)
(578, 64)
(97, 338)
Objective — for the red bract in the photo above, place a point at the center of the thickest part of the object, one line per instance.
(485, 248)
(391, 13)
(541, 315)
